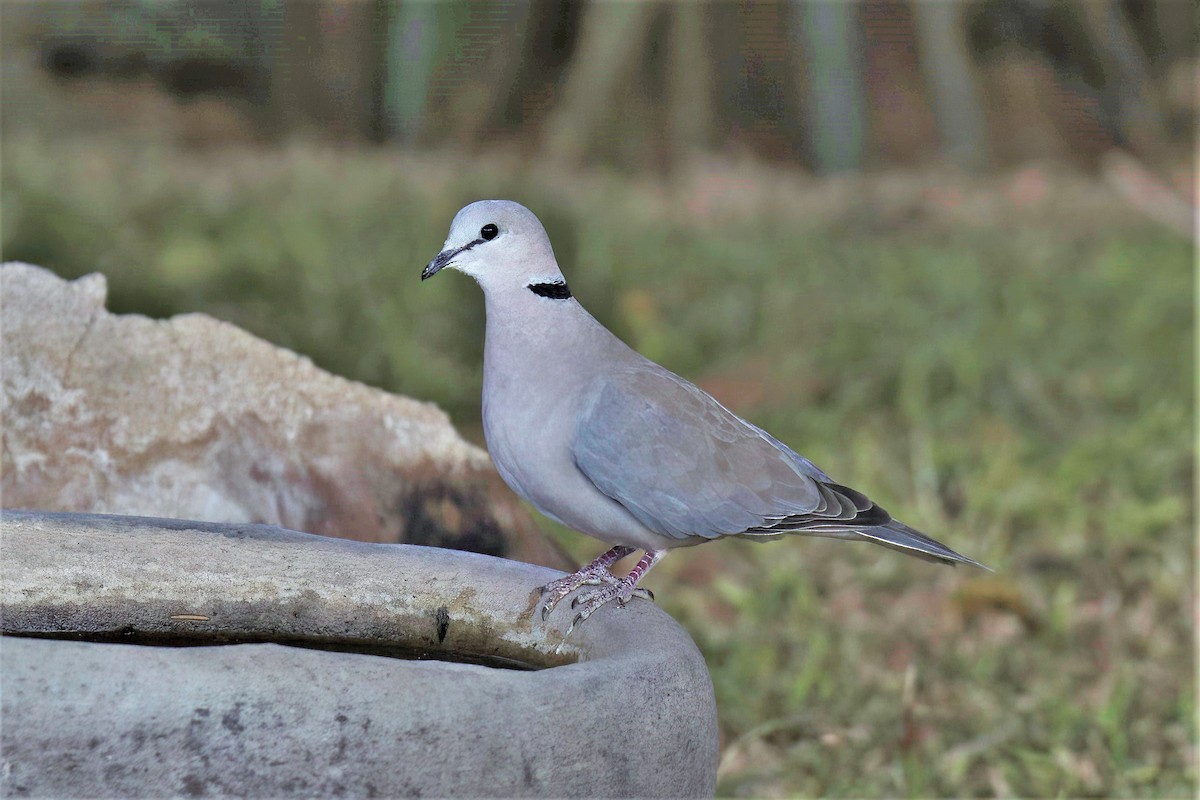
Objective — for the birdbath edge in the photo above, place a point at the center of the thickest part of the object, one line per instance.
(146, 657)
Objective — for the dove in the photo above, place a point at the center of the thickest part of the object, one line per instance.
(606, 442)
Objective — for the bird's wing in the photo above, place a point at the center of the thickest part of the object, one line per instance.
(686, 466)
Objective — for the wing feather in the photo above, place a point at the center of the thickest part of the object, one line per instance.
(685, 466)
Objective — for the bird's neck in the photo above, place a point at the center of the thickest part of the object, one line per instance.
(529, 321)
(531, 334)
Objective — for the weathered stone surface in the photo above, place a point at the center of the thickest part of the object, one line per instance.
(626, 709)
(193, 418)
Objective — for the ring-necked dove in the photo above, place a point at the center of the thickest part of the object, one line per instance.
(605, 441)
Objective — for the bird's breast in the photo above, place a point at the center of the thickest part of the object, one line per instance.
(529, 435)
(538, 372)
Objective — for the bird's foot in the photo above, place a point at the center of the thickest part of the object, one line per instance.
(620, 591)
(594, 574)
(591, 575)
(611, 587)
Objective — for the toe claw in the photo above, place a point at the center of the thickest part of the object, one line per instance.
(609, 588)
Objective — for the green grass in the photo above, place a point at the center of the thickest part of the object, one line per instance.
(1022, 390)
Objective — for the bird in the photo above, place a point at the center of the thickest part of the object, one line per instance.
(603, 440)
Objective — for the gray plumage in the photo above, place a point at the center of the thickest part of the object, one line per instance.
(611, 444)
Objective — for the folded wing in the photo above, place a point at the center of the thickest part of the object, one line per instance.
(686, 467)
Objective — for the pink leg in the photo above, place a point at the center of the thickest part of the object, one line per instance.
(622, 591)
(606, 560)
(593, 574)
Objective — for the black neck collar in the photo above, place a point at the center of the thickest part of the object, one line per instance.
(555, 291)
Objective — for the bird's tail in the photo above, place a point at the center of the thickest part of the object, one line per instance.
(898, 536)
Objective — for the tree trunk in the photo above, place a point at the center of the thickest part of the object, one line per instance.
(1176, 21)
(295, 85)
(476, 73)
(689, 81)
(606, 59)
(411, 56)
(950, 78)
(1126, 76)
(835, 95)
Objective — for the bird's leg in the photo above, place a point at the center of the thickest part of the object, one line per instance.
(594, 574)
(622, 591)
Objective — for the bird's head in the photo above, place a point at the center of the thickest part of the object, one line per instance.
(500, 244)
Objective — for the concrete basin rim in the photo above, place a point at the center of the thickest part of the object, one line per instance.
(505, 589)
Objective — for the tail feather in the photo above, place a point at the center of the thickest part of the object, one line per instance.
(898, 536)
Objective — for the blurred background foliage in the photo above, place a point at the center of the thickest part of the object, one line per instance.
(943, 249)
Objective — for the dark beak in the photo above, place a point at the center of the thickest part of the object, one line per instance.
(444, 258)
(436, 266)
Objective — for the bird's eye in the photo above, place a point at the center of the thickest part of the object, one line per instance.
(489, 232)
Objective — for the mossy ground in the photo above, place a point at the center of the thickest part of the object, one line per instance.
(1018, 386)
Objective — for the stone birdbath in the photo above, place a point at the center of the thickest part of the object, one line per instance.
(151, 657)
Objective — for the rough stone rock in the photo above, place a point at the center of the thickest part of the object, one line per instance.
(194, 418)
(624, 708)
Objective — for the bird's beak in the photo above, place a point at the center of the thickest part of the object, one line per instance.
(436, 266)
(444, 258)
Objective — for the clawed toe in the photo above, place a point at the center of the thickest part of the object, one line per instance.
(554, 592)
(620, 591)
(587, 603)
(551, 598)
(610, 587)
